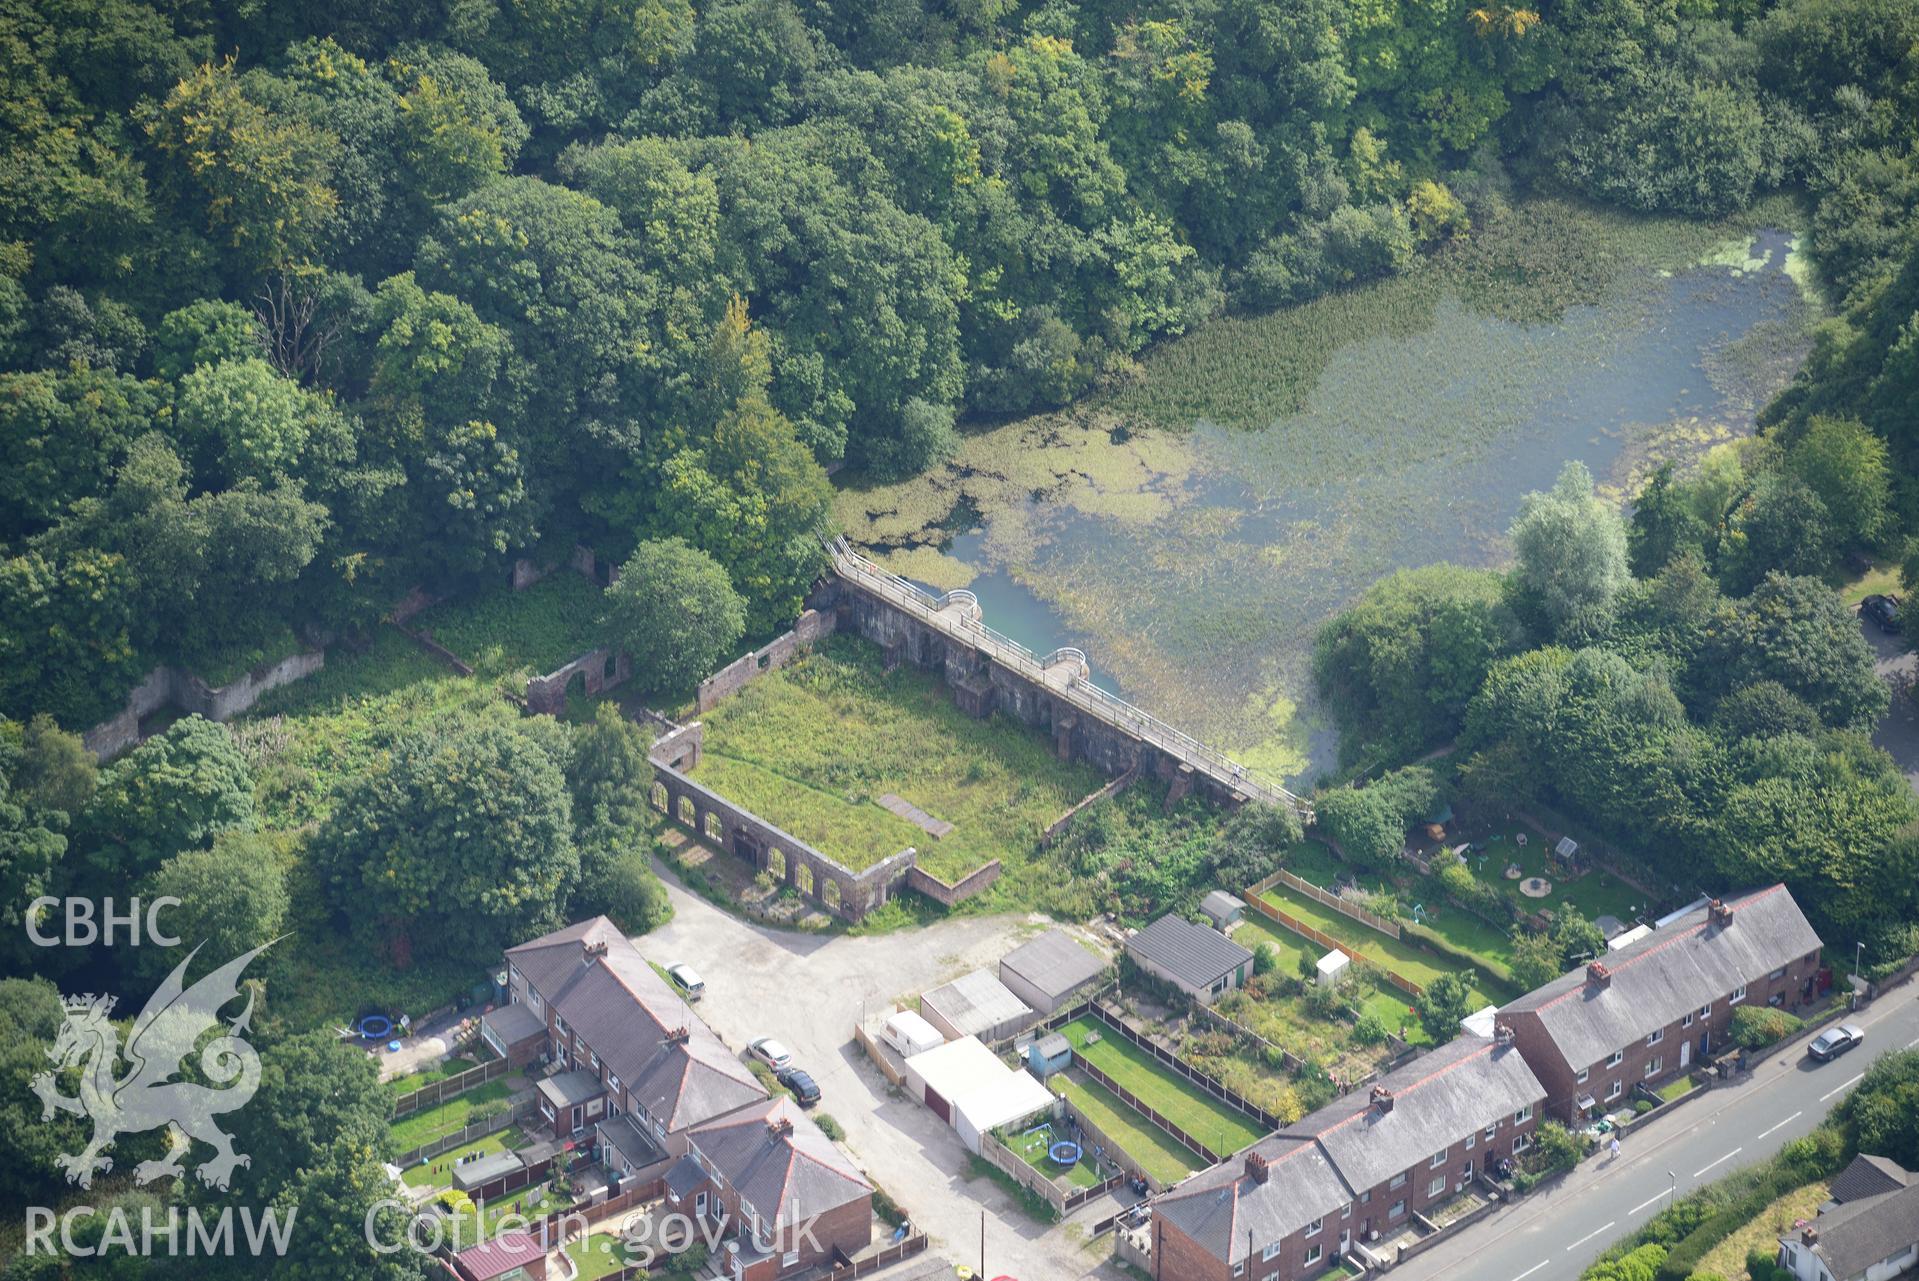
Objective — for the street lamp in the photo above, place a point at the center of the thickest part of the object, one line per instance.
(1858, 955)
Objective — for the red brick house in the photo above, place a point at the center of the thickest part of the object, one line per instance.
(1358, 1168)
(635, 1068)
(789, 1197)
(1657, 1006)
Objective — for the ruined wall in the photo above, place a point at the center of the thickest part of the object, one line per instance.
(599, 670)
(924, 882)
(777, 653)
(745, 835)
(179, 688)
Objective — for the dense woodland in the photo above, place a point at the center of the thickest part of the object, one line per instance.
(305, 305)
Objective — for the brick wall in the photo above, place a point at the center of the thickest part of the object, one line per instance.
(742, 671)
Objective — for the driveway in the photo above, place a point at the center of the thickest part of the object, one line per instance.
(1898, 733)
(1555, 1233)
(808, 990)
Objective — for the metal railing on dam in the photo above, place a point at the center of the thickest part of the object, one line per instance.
(964, 625)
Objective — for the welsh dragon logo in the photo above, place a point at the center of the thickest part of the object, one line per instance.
(145, 1097)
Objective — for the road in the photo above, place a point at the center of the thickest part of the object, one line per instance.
(1555, 1233)
(808, 990)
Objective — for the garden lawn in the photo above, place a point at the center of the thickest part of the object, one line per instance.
(1032, 1147)
(442, 1119)
(1397, 956)
(1151, 1148)
(1391, 1010)
(1728, 1258)
(1254, 929)
(813, 747)
(403, 1085)
(1223, 1128)
(597, 1255)
(1597, 893)
(438, 1173)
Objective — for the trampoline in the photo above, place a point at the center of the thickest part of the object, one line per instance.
(1065, 1152)
(375, 1027)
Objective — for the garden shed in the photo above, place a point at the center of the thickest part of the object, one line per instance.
(1332, 967)
(1198, 961)
(1051, 1053)
(1222, 909)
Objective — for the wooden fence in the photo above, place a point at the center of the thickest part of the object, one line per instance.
(451, 1087)
(1116, 1020)
(1009, 1162)
(520, 1107)
(1146, 1110)
(1115, 1150)
(1371, 920)
(1330, 943)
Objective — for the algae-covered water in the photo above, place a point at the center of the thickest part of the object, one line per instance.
(1193, 529)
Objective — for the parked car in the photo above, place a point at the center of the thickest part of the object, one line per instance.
(1883, 610)
(806, 1090)
(771, 1053)
(687, 980)
(1834, 1041)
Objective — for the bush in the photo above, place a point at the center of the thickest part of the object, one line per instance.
(1754, 1027)
(887, 1208)
(1641, 1106)
(831, 1128)
(1763, 1265)
(1265, 959)
(1370, 1029)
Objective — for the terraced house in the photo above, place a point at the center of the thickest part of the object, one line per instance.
(1356, 1171)
(1660, 1004)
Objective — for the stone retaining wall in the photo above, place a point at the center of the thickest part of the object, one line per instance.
(924, 882)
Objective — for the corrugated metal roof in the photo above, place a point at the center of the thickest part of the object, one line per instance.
(976, 1004)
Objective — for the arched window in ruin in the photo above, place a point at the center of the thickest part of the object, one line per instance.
(689, 813)
(803, 878)
(830, 891)
(776, 862)
(714, 829)
(659, 796)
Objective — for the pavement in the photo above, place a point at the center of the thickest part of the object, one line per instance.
(1555, 1233)
(809, 990)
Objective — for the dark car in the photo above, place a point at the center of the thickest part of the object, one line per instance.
(804, 1088)
(1833, 1042)
(1883, 610)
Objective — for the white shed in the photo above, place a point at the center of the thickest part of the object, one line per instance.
(965, 1085)
(1010, 1101)
(1332, 968)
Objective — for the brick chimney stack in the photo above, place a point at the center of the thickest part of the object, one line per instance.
(1382, 1098)
(591, 952)
(1598, 974)
(1258, 1169)
(1721, 913)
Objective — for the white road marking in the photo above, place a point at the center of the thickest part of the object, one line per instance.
(1534, 1268)
(1582, 1240)
(1649, 1201)
(1840, 1089)
(1721, 1161)
(1788, 1121)
(1913, 1044)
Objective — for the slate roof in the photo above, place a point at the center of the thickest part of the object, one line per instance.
(1678, 968)
(1228, 1213)
(787, 1178)
(624, 1012)
(1869, 1176)
(1438, 1099)
(1197, 954)
(1054, 963)
(1863, 1232)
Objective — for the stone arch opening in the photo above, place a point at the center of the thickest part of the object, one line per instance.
(659, 796)
(803, 878)
(776, 862)
(830, 891)
(576, 686)
(608, 669)
(689, 812)
(713, 827)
